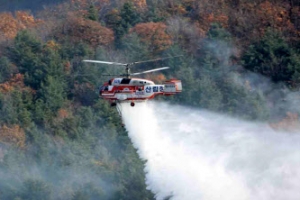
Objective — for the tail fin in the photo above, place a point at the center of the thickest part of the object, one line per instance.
(172, 86)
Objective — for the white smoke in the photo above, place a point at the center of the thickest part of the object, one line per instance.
(193, 154)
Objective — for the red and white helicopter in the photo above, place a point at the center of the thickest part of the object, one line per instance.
(127, 89)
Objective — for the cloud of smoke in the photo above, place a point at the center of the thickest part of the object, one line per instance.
(194, 154)
(56, 171)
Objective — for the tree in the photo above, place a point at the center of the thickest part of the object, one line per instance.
(289, 123)
(209, 95)
(89, 191)
(273, 57)
(129, 16)
(217, 32)
(92, 13)
(53, 93)
(10, 25)
(24, 55)
(88, 31)
(16, 100)
(12, 135)
(121, 21)
(35, 190)
(154, 35)
(6, 69)
(134, 48)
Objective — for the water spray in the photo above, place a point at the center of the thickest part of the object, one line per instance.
(194, 154)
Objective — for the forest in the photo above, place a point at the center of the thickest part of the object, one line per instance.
(59, 140)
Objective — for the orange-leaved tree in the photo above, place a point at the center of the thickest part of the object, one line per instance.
(289, 123)
(91, 32)
(140, 4)
(154, 35)
(12, 135)
(15, 82)
(275, 16)
(159, 78)
(10, 25)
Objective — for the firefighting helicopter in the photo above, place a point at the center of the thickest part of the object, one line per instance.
(126, 89)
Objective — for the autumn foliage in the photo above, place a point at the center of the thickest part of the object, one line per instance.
(140, 4)
(153, 34)
(91, 32)
(10, 25)
(289, 123)
(12, 135)
(16, 82)
(207, 19)
(275, 16)
(159, 78)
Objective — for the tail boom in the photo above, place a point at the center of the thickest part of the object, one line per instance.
(172, 86)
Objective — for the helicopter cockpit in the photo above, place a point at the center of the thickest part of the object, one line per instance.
(103, 88)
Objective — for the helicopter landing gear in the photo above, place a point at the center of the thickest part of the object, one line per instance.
(132, 104)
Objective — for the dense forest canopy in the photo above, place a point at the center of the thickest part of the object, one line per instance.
(58, 140)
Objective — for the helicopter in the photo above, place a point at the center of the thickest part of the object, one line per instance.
(124, 88)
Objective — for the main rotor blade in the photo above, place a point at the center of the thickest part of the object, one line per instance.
(157, 59)
(109, 75)
(115, 75)
(149, 71)
(105, 62)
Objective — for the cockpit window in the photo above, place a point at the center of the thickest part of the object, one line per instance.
(104, 88)
(125, 81)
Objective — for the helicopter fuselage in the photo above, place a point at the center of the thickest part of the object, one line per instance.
(137, 89)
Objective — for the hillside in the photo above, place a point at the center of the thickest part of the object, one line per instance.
(58, 140)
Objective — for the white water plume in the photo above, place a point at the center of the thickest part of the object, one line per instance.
(196, 155)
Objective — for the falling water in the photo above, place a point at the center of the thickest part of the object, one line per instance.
(194, 154)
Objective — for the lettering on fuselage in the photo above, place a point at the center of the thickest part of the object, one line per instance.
(154, 89)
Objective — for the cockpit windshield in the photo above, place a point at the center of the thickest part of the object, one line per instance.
(103, 88)
(125, 81)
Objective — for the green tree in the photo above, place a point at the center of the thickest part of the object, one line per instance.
(53, 93)
(15, 107)
(35, 190)
(273, 57)
(89, 191)
(6, 69)
(129, 15)
(121, 21)
(133, 47)
(241, 101)
(152, 14)
(8, 110)
(25, 54)
(217, 32)
(209, 94)
(92, 13)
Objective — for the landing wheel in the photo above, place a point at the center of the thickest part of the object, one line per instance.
(113, 104)
(132, 104)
